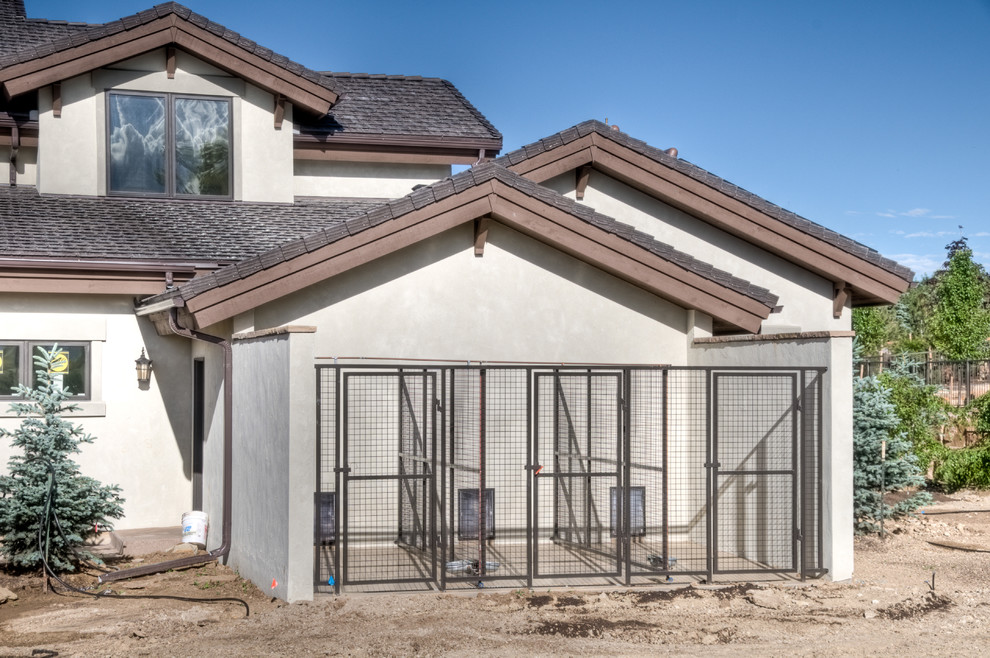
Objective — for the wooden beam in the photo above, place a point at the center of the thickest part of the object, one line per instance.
(170, 62)
(582, 174)
(839, 296)
(57, 100)
(481, 235)
(279, 111)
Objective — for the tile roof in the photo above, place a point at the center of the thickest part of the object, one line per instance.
(38, 226)
(401, 105)
(74, 38)
(683, 166)
(441, 190)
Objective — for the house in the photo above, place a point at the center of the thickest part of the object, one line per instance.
(586, 360)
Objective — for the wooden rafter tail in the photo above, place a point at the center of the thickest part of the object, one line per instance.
(481, 235)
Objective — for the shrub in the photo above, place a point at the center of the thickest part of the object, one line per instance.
(919, 411)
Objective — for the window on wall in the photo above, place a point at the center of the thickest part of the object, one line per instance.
(70, 369)
(168, 145)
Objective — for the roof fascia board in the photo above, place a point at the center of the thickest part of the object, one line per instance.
(441, 156)
(626, 261)
(341, 256)
(27, 76)
(743, 221)
(84, 283)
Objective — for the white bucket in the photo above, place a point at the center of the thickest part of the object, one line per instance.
(195, 525)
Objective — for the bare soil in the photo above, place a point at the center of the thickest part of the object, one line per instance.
(909, 596)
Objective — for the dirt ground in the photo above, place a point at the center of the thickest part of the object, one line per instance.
(891, 606)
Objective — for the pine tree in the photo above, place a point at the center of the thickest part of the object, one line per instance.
(875, 421)
(46, 441)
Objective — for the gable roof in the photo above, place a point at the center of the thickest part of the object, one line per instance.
(871, 277)
(163, 25)
(484, 191)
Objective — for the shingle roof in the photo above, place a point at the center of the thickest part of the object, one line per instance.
(683, 166)
(18, 32)
(77, 38)
(37, 226)
(401, 105)
(443, 189)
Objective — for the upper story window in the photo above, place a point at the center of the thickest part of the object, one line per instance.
(168, 145)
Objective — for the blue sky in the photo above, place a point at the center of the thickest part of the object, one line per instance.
(871, 118)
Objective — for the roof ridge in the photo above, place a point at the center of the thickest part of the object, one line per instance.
(379, 76)
(714, 181)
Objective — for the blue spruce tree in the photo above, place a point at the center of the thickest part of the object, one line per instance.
(46, 441)
(875, 421)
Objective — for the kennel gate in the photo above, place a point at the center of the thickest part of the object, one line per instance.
(444, 476)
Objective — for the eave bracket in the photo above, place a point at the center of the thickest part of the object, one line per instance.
(481, 235)
(583, 174)
(840, 294)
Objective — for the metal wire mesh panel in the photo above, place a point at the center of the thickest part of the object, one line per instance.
(579, 454)
(451, 476)
(685, 489)
(325, 498)
(388, 466)
(755, 443)
(487, 449)
(812, 558)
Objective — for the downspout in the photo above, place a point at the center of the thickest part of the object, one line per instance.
(228, 452)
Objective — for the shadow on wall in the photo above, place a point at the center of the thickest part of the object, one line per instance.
(171, 377)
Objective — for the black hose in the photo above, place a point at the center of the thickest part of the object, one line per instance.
(44, 535)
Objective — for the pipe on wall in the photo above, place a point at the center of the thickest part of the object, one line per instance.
(228, 406)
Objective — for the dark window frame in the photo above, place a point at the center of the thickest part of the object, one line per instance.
(25, 365)
(170, 176)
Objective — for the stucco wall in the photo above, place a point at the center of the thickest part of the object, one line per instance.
(26, 167)
(521, 301)
(72, 148)
(143, 440)
(273, 474)
(806, 298)
(379, 180)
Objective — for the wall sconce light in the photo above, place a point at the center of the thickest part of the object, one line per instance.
(143, 367)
